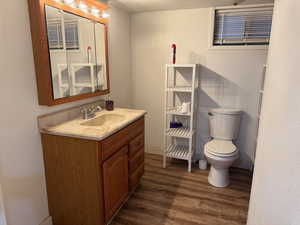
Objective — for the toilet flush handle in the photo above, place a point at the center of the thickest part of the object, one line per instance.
(210, 114)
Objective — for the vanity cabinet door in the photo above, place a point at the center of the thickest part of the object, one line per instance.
(115, 179)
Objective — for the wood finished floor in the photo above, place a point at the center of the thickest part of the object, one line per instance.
(173, 196)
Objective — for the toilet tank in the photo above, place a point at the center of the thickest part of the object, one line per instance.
(224, 123)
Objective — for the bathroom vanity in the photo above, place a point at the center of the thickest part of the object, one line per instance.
(92, 165)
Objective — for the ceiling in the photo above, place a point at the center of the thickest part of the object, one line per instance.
(135, 6)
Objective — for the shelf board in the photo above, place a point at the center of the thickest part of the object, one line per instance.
(180, 89)
(178, 152)
(182, 65)
(83, 64)
(177, 112)
(83, 85)
(182, 132)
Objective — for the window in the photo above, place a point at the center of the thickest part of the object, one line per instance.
(243, 25)
(56, 37)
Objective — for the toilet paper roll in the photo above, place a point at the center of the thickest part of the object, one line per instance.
(186, 107)
(202, 164)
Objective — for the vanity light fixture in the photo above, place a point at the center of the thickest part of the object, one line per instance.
(84, 8)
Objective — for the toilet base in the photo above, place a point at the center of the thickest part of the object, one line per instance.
(218, 177)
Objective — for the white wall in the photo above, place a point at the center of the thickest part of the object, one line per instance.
(275, 190)
(229, 78)
(119, 52)
(21, 163)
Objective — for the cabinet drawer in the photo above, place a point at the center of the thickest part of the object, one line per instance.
(136, 144)
(136, 161)
(135, 178)
(113, 143)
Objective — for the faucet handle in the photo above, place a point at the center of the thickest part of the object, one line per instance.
(83, 110)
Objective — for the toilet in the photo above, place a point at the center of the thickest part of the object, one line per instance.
(220, 151)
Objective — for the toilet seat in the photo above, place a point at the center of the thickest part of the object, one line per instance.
(221, 148)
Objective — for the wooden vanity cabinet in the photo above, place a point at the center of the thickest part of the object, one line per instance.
(88, 181)
(115, 181)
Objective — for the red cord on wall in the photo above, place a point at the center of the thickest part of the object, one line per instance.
(174, 53)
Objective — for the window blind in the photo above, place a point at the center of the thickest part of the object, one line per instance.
(243, 26)
(71, 32)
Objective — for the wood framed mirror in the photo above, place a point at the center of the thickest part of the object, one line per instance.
(70, 48)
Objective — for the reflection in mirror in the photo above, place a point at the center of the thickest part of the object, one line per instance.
(80, 53)
(58, 55)
(101, 56)
(77, 49)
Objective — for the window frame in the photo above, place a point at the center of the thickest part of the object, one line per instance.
(211, 45)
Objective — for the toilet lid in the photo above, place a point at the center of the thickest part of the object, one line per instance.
(220, 147)
(226, 111)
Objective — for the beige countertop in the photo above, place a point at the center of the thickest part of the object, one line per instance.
(111, 122)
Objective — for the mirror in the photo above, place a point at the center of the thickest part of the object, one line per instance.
(77, 50)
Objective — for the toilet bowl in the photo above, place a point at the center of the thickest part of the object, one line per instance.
(220, 151)
(220, 154)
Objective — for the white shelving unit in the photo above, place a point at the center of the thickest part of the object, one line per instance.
(62, 86)
(260, 98)
(181, 82)
(95, 76)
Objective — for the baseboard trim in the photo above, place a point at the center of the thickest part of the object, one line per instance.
(152, 150)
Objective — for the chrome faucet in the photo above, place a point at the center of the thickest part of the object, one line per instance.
(88, 113)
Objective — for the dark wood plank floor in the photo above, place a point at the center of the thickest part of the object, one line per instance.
(173, 196)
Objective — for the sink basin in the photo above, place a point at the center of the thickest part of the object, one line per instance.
(106, 119)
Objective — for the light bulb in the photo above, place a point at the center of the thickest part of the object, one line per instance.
(73, 5)
(83, 7)
(95, 11)
(104, 15)
(69, 2)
